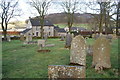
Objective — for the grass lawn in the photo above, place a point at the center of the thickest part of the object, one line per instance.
(63, 25)
(23, 61)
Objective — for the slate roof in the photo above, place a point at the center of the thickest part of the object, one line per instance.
(26, 30)
(60, 30)
(36, 22)
(79, 28)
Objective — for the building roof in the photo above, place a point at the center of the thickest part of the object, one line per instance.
(26, 30)
(36, 22)
(56, 27)
(77, 28)
(60, 30)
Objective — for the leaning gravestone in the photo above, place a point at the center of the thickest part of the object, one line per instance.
(64, 71)
(101, 54)
(78, 51)
(68, 40)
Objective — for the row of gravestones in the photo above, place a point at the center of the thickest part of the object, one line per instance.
(29, 39)
(101, 59)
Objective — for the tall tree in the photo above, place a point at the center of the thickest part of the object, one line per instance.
(105, 11)
(70, 7)
(8, 10)
(42, 7)
(118, 18)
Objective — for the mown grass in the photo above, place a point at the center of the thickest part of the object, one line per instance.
(23, 61)
(74, 25)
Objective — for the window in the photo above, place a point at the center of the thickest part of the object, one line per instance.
(49, 33)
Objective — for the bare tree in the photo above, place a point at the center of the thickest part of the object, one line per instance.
(8, 10)
(42, 7)
(70, 7)
(104, 9)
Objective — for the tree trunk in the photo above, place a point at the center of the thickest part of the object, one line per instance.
(117, 20)
(42, 32)
(5, 35)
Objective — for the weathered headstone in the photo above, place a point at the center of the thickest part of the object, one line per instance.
(41, 43)
(64, 71)
(101, 54)
(22, 38)
(78, 51)
(68, 40)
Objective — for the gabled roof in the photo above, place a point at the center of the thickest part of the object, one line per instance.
(26, 30)
(36, 22)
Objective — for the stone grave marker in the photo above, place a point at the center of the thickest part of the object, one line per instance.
(45, 37)
(62, 38)
(64, 71)
(96, 36)
(41, 43)
(22, 38)
(90, 50)
(68, 40)
(78, 51)
(101, 54)
(28, 37)
(8, 38)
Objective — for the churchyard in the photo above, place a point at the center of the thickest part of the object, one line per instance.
(23, 61)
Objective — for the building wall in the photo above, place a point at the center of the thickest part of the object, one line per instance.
(49, 30)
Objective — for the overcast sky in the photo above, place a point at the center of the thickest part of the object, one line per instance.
(28, 11)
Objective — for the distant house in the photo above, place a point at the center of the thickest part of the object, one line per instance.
(75, 29)
(35, 26)
(59, 31)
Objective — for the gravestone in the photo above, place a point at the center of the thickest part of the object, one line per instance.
(64, 71)
(78, 51)
(90, 50)
(62, 38)
(41, 43)
(45, 37)
(8, 38)
(22, 38)
(72, 35)
(96, 36)
(68, 40)
(28, 37)
(109, 37)
(101, 54)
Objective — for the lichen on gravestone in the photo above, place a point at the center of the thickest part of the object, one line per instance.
(101, 54)
(78, 51)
